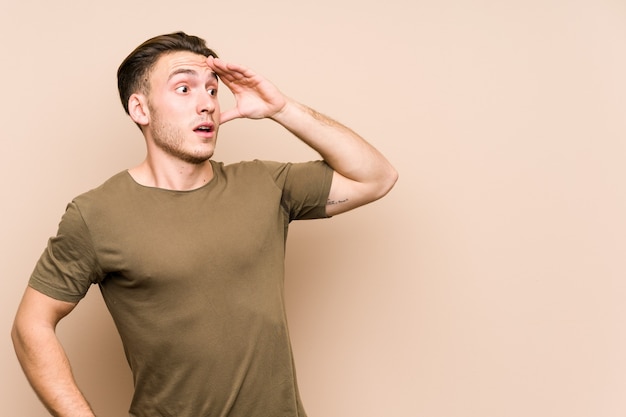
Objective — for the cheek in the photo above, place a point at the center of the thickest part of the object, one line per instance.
(171, 111)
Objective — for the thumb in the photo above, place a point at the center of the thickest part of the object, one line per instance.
(228, 115)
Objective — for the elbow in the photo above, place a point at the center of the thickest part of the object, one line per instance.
(387, 181)
(18, 340)
(14, 332)
(392, 178)
(22, 331)
(16, 335)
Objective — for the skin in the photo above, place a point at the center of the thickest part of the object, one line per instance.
(182, 96)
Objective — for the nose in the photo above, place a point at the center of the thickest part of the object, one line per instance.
(206, 103)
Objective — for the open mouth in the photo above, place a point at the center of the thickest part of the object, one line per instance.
(205, 128)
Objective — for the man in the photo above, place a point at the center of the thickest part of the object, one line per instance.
(189, 253)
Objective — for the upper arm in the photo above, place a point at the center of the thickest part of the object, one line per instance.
(37, 310)
(346, 194)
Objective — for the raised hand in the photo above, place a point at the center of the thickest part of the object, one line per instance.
(256, 97)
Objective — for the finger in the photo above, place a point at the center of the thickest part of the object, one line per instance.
(229, 71)
(222, 67)
(228, 115)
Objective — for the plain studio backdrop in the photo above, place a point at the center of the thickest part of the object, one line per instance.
(489, 283)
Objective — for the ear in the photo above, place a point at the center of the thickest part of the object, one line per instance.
(138, 109)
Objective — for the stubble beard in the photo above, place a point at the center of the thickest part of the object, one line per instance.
(171, 139)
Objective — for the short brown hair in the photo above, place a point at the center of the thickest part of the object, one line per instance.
(132, 75)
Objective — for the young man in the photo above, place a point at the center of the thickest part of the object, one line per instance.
(189, 253)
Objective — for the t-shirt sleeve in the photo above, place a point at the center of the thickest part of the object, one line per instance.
(305, 187)
(68, 265)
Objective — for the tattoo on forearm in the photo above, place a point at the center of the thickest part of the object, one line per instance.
(333, 202)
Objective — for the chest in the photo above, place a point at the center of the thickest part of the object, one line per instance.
(221, 236)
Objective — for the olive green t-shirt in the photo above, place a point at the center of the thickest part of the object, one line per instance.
(194, 283)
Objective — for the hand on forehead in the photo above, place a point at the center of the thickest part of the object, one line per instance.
(190, 60)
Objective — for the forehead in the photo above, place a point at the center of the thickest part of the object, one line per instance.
(180, 61)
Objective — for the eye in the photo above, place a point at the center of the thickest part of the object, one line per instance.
(212, 91)
(182, 89)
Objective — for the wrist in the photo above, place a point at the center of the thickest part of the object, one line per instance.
(282, 115)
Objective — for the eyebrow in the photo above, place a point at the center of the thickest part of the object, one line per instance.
(188, 71)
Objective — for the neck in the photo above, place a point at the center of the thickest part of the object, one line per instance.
(176, 175)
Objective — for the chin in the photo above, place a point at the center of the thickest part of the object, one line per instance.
(197, 158)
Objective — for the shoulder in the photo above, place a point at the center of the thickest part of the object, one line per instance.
(276, 169)
(247, 166)
(248, 170)
(122, 178)
(113, 189)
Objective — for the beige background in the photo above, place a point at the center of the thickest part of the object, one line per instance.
(489, 283)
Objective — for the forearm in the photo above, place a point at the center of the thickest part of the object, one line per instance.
(362, 174)
(343, 149)
(48, 370)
